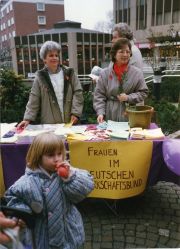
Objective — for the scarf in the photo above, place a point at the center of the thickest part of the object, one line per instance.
(120, 71)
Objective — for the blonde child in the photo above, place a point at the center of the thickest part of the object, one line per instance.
(58, 223)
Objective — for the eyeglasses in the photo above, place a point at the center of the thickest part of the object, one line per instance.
(124, 51)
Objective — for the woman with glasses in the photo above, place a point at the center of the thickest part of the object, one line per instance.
(118, 85)
(122, 30)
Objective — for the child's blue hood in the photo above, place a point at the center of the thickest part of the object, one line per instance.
(39, 172)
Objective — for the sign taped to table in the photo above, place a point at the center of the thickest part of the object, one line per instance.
(120, 168)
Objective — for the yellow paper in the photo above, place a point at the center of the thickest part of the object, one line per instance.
(147, 133)
(76, 137)
(120, 168)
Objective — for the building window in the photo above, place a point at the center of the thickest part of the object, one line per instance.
(176, 11)
(40, 6)
(159, 12)
(13, 33)
(153, 13)
(10, 7)
(12, 20)
(167, 12)
(41, 20)
(41, 30)
(141, 17)
(123, 11)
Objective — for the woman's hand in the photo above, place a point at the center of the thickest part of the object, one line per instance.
(23, 124)
(100, 118)
(74, 119)
(21, 223)
(122, 97)
(6, 223)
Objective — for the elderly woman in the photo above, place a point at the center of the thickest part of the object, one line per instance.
(56, 93)
(122, 30)
(119, 84)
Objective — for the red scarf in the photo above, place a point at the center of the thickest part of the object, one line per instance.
(120, 70)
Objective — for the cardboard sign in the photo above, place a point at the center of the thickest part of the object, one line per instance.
(120, 168)
(2, 187)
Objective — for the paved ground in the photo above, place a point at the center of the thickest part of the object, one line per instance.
(148, 221)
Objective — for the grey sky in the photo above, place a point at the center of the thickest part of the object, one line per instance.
(88, 12)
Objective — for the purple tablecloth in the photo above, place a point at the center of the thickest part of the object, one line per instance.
(13, 162)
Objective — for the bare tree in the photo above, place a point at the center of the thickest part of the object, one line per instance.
(105, 26)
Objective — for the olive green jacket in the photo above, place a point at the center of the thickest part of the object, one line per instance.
(43, 101)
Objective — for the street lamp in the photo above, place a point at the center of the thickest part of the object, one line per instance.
(157, 83)
(175, 35)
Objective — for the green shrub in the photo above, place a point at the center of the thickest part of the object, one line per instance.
(167, 115)
(13, 96)
(169, 89)
(89, 115)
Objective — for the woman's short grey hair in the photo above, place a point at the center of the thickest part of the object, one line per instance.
(49, 46)
(123, 30)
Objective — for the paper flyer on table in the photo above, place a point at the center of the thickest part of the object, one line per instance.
(76, 129)
(5, 127)
(117, 126)
(118, 129)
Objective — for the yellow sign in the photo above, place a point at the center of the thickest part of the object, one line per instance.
(120, 168)
(2, 187)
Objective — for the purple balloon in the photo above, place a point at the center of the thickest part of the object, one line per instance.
(171, 154)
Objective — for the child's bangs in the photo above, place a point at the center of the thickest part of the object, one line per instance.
(53, 145)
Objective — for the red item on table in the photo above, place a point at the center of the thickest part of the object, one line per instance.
(19, 130)
(91, 127)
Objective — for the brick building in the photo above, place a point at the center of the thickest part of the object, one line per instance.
(22, 17)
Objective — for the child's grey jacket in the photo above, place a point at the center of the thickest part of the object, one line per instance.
(58, 224)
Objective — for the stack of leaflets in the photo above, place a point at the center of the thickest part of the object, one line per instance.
(119, 130)
(139, 133)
